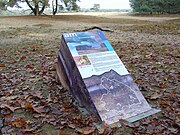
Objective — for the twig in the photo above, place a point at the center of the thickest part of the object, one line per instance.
(95, 27)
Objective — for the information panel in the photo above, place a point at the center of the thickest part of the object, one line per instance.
(110, 86)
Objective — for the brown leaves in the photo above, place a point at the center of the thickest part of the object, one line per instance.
(156, 74)
(28, 86)
(177, 120)
(18, 123)
(162, 85)
(2, 65)
(12, 108)
(29, 108)
(22, 58)
(156, 95)
(8, 98)
(105, 129)
(40, 109)
(151, 59)
(174, 93)
(164, 103)
(86, 130)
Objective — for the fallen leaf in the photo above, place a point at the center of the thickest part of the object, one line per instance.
(5, 111)
(177, 121)
(101, 130)
(46, 77)
(8, 98)
(18, 123)
(123, 123)
(106, 128)
(174, 93)
(41, 109)
(114, 126)
(121, 49)
(22, 58)
(136, 56)
(151, 59)
(164, 103)
(49, 98)
(29, 66)
(86, 130)
(162, 85)
(72, 126)
(37, 94)
(28, 106)
(29, 122)
(17, 53)
(9, 107)
(35, 79)
(173, 130)
(133, 125)
(139, 80)
(50, 119)
(39, 115)
(34, 48)
(155, 96)
(56, 110)
(2, 65)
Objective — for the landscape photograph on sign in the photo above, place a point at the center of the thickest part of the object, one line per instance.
(86, 42)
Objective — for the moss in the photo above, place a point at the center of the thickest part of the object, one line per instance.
(49, 129)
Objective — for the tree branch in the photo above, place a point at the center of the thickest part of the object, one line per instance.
(95, 27)
(29, 5)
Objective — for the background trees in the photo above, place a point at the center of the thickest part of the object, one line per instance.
(8, 3)
(69, 4)
(141, 6)
(38, 6)
(158, 6)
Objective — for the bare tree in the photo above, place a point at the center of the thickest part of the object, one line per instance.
(37, 6)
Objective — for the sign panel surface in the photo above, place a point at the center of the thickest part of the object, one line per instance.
(108, 82)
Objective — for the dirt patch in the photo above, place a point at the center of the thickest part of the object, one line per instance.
(43, 25)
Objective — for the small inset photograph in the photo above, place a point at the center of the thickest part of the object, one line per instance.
(82, 60)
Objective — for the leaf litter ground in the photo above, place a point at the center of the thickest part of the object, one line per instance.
(33, 102)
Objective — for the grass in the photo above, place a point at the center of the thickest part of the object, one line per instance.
(163, 28)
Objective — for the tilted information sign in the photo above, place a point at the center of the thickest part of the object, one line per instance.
(106, 86)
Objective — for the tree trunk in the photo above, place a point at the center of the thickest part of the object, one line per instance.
(56, 6)
(42, 9)
(36, 10)
(33, 10)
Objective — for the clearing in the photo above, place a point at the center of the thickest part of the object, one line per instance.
(32, 102)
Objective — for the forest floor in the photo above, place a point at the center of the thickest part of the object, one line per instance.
(32, 102)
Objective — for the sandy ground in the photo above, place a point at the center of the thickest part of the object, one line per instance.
(123, 15)
(48, 27)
